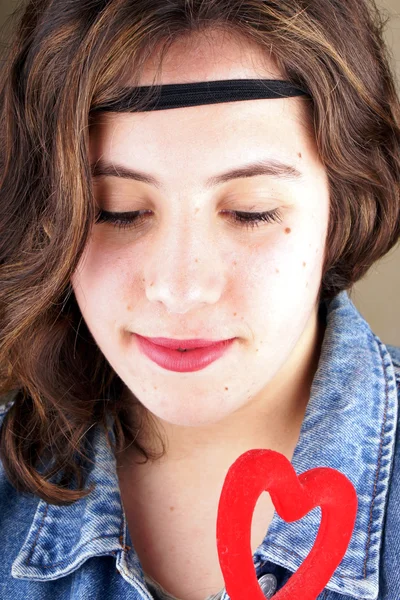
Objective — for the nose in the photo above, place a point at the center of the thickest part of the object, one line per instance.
(187, 269)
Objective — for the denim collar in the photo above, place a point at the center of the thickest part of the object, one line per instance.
(349, 425)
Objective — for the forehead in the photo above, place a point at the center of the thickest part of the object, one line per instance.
(234, 129)
(229, 133)
(193, 153)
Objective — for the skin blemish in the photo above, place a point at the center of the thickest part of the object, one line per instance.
(227, 388)
(234, 314)
(304, 264)
(299, 154)
(288, 230)
(171, 508)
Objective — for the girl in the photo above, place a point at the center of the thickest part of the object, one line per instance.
(175, 270)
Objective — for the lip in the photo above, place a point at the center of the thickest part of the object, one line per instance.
(182, 362)
(183, 344)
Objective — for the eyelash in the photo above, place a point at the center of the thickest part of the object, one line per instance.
(130, 220)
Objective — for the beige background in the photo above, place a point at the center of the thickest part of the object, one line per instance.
(377, 296)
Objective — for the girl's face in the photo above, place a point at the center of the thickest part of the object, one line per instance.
(188, 270)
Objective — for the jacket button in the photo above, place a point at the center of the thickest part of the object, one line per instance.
(268, 584)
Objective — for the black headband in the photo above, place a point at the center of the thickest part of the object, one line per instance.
(161, 97)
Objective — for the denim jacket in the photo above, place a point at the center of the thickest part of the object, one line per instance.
(83, 551)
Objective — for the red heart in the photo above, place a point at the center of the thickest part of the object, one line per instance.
(257, 471)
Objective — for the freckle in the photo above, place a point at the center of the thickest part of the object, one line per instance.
(171, 508)
(129, 307)
(234, 314)
(155, 387)
(277, 270)
(304, 264)
(227, 388)
(288, 230)
(196, 260)
(299, 154)
(234, 262)
(152, 283)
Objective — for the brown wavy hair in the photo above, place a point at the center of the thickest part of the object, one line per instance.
(64, 59)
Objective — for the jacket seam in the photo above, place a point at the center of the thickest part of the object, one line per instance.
(28, 560)
(293, 553)
(378, 466)
(76, 553)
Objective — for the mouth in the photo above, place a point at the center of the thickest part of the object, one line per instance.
(184, 345)
(174, 357)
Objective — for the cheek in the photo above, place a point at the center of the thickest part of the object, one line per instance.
(277, 287)
(296, 252)
(97, 280)
(285, 270)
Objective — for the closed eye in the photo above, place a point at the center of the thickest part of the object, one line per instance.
(130, 220)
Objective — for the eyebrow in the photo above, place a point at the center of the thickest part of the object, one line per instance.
(270, 167)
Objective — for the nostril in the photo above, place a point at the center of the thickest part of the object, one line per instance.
(268, 584)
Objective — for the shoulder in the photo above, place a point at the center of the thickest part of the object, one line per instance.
(5, 405)
(390, 554)
(394, 352)
(8, 494)
(17, 511)
(6, 401)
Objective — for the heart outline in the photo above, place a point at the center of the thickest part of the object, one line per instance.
(259, 470)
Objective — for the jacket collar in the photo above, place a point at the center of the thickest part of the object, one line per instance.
(349, 425)
(62, 538)
(353, 398)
